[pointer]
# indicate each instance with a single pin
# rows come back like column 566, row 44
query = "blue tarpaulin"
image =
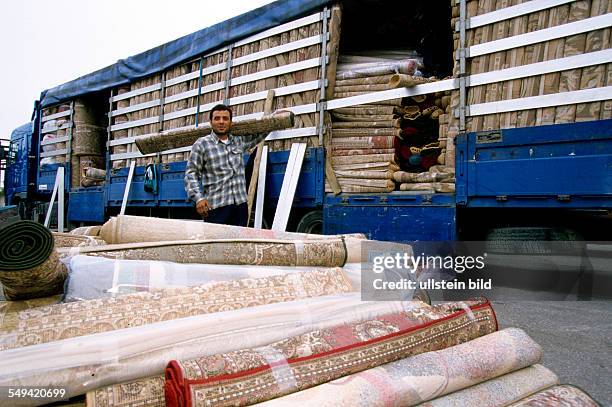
column 190, row 46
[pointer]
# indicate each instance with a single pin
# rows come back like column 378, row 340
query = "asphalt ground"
column 576, row 337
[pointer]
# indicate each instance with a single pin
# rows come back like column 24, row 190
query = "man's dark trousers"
column 229, row 215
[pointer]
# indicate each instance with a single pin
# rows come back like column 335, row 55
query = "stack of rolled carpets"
column 427, row 376
column 437, row 179
column 362, row 136
column 61, row 321
column 254, row 375
column 89, row 362
column 420, row 145
column 88, row 138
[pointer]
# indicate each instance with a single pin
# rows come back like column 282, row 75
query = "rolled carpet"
column 262, row 252
column 73, row 240
column 361, row 87
column 170, row 139
column 372, row 124
column 365, row 110
column 403, row 80
column 28, row 266
column 254, row 375
column 367, row 132
column 368, row 158
column 86, row 231
column 353, row 117
column 422, row 177
column 385, row 142
column 383, row 183
column 563, row 395
column 381, row 165
column 62, row 321
column 361, row 70
column 361, row 151
column 429, row 187
column 368, row 80
column 98, row 277
column 415, row 379
column 500, row 391
column 134, row 229
column 148, row 391
column 9, row 310
column 365, row 174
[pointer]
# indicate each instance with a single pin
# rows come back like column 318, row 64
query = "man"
column 214, row 178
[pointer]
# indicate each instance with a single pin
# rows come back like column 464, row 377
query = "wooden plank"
column 333, row 47
column 257, row 163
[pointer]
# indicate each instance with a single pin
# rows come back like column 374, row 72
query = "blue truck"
column 550, row 177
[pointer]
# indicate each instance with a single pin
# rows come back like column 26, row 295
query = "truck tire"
column 311, row 222
column 529, row 240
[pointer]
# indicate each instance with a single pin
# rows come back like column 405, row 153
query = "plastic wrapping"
column 97, row 277
column 81, row 318
column 89, row 362
column 295, row 363
column 423, row 377
column 381, row 63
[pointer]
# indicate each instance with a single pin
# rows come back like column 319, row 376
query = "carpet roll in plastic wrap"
column 29, row 268
column 254, row 375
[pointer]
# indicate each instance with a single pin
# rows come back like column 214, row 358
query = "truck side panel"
column 567, row 165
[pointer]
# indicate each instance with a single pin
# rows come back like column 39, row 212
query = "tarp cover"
column 182, row 49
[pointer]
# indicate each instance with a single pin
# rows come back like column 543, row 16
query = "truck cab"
column 16, row 177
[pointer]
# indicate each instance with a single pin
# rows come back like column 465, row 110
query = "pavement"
column 576, row 337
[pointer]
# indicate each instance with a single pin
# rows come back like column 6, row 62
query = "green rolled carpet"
column 23, row 244
column 29, row 266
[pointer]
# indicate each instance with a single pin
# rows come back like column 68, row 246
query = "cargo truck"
column 528, row 129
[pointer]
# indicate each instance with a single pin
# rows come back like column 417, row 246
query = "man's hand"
column 203, row 207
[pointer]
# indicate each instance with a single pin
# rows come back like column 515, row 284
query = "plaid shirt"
column 215, row 170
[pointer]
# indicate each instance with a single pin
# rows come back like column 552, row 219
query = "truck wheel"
column 530, row 240
column 312, row 222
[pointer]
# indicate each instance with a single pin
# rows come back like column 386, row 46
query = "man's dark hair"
column 220, row 107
